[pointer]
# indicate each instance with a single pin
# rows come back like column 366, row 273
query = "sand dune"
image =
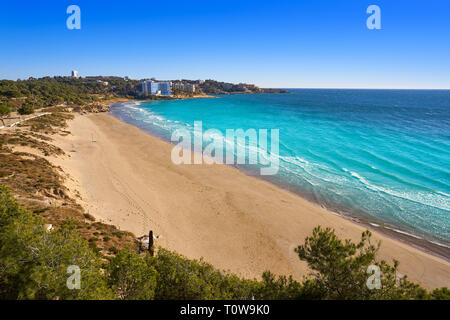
column 233, row 221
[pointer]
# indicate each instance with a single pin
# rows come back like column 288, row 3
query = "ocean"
column 378, row 156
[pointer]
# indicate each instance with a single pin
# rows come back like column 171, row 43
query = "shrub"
column 34, row 262
column 25, row 109
column 340, row 268
column 89, row 216
column 4, row 110
column 181, row 278
column 131, row 277
column 441, row 294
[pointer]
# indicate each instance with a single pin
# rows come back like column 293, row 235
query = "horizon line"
column 345, row 88
column 263, row 87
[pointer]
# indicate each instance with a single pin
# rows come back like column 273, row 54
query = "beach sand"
column 235, row 222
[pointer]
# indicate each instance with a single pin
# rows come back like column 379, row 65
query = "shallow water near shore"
column 379, row 155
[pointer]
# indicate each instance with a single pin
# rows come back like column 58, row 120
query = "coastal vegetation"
column 25, row 109
column 31, row 94
column 25, row 96
column 216, row 87
column 4, row 110
column 34, row 263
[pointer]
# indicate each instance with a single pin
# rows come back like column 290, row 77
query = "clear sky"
column 288, row 44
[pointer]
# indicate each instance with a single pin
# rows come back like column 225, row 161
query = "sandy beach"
column 235, row 222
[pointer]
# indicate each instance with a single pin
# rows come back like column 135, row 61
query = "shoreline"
column 161, row 98
column 216, row 212
column 424, row 244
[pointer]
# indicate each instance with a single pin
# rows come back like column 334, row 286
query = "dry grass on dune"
column 39, row 185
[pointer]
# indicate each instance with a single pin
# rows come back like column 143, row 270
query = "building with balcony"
column 184, row 86
column 151, row 87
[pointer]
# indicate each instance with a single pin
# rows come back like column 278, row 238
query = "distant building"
column 184, row 86
column 190, row 87
column 151, row 87
column 75, row 74
column 127, row 78
column 247, row 87
column 177, row 85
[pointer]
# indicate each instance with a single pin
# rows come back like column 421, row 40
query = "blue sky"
column 304, row 44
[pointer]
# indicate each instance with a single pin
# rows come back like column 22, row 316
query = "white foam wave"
column 436, row 200
column 404, row 232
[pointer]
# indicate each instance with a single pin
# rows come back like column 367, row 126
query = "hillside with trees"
column 216, row 87
column 44, row 92
column 25, row 96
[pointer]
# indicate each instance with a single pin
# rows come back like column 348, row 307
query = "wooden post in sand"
column 150, row 243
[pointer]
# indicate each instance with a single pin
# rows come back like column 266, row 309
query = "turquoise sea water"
column 381, row 155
